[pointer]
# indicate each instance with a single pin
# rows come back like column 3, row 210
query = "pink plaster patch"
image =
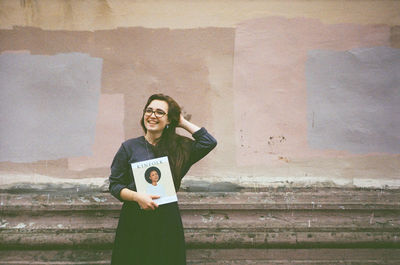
column 16, row 52
column 270, row 87
column 109, row 134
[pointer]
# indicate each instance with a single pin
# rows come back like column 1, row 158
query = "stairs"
column 271, row 226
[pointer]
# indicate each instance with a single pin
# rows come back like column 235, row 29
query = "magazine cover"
column 154, row 178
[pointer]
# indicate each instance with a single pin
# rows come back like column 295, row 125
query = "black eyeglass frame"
column 150, row 111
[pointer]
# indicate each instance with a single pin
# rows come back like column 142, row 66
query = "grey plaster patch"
column 195, row 186
column 205, row 186
column 48, row 105
column 354, row 100
column 225, row 187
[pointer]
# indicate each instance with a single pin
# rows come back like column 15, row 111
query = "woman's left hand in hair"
column 187, row 125
column 181, row 121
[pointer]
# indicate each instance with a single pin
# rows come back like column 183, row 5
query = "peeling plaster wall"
column 136, row 62
column 246, row 70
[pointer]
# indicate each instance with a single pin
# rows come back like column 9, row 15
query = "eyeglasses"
column 159, row 113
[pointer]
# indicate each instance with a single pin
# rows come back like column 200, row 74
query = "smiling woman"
column 142, row 222
column 155, row 119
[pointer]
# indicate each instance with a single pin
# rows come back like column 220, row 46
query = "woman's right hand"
column 145, row 201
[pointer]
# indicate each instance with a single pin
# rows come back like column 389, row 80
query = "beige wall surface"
column 245, row 70
column 179, row 14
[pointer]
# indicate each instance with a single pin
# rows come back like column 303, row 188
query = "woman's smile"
column 152, row 121
column 152, row 124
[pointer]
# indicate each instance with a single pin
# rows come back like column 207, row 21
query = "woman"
column 152, row 176
column 148, row 234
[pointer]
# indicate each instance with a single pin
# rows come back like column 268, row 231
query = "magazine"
column 154, row 177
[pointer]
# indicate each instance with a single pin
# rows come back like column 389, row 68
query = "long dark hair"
column 171, row 144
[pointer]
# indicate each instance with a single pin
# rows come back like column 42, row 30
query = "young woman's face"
column 154, row 176
column 156, row 116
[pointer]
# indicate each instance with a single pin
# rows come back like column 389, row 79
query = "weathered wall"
column 296, row 92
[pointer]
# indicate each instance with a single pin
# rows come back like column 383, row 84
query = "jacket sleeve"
column 119, row 177
column 202, row 145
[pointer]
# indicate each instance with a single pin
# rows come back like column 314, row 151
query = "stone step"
column 301, row 198
column 222, row 220
column 214, row 256
column 276, row 226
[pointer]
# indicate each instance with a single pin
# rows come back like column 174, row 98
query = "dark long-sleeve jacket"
column 138, row 149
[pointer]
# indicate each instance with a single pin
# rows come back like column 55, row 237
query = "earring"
column 167, row 126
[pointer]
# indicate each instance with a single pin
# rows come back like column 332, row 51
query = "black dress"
column 150, row 237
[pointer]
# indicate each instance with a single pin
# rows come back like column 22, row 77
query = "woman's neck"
column 152, row 138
